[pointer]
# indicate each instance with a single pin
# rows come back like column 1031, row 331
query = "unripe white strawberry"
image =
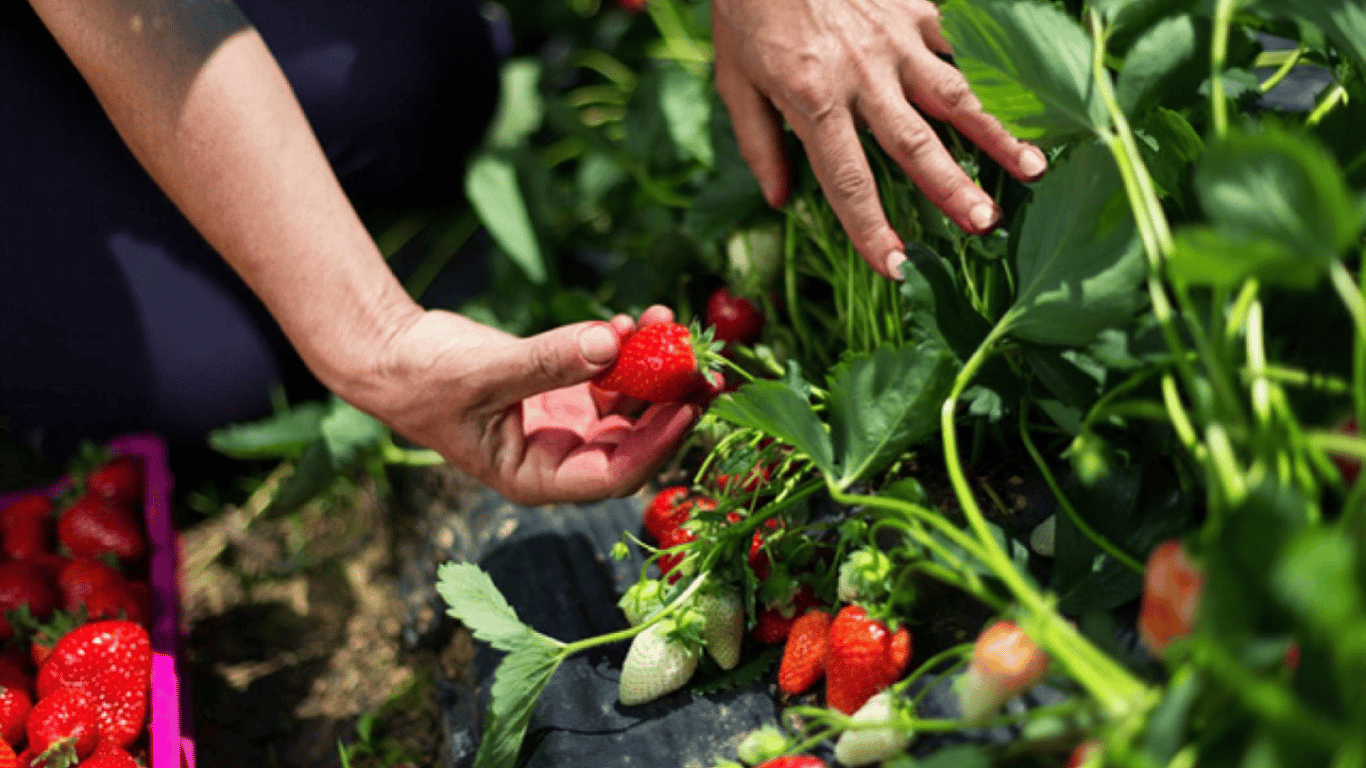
column 655, row 665
column 723, row 625
column 642, row 599
column 1005, row 663
column 857, row 747
column 863, row 575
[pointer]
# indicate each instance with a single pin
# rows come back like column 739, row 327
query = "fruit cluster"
column 75, row 607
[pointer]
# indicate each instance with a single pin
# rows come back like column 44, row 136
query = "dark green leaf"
column 1166, row 730
column 1164, row 54
column 882, row 403
column 1029, row 64
column 1170, row 147
column 1282, row 188
column 517, row 685
column 965, row 756
column 492, row 188
column 730, row 194
column 1206, row 256
column 313, row 473
column 937, row 307
column 473, row 599
column 1128, row 19
column 278, row 437
column 1070, row 379
column 776, row 408
column 1239, row 602
column 1078, row 258
column 1343, row 20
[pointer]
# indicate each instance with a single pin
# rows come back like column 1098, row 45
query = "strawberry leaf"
column 517, row 685
column 885, row 402
column 472, row 597
column 283, row 435
column 777, row 408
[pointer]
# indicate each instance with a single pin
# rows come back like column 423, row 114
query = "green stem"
column 1085, row 528
column 1290, row 62
column 1223, row 21
column 1334, row 97
column 409, row 457
column 569, row 649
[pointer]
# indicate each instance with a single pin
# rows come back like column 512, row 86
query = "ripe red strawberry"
column 32, row 505
column 116, row 601
column 26, row 527
column 62, row 726
column 775, row 620
column 119, row 479
column 15, row 704
column 673, row 538
column 660, row 362
column 631, row 6
column 7, row 757
column 93, row 526
column 106, row 755
column 81, row 576
column 1348, row 466
column 735, row 318
column 1171, row 596
column 803, row 663
column 794, row 761
column 23, row 583
column 664, row 510
column 863, row 658
column 111, row 661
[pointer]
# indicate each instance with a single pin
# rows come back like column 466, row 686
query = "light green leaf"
column 348, row 432
column 1316, row 578
column 1078, row 258
column 1159, row 55
column 1029, row 64
column 473, row 598
column 1205, row 256
column 517, row 686
column 520, row 108
column 491, row 185
column 777, row 409
column 684, row 98
column 1281, row 188
column 313, row 473
column 280, row 436
column 882, row 403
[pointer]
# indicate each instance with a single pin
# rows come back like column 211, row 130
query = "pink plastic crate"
column 171, row 744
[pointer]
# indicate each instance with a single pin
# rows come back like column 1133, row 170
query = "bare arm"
column 198, row 98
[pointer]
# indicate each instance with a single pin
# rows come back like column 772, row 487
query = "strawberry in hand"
column 660, row 363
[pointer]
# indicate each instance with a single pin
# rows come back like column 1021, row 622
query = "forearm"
column 216, row 125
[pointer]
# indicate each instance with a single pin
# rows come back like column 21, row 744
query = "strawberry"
column 655, row 664
column 862, row 658
column 26, row 527
column 660, row 362
column 673, row 538
column 665, row 510
column 865, row 746
column 111, row 661
column 1086, row 753
column 81, row 576
column 1348, row 466
column 119, row 480
column 62, row 727
column 735, row 319
column 794, row 761
column 775, row 620
column 631, row 6
column 32, row 505
column 723, row 625
column 15, row 704
column 107, row 756
column 93, row 526
column 1005, row 663
column 7, row 757
column 1171, row 596
column 803, row 663
column 116, row 601
column 23, row 583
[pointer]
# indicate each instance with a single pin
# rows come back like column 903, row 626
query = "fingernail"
column 894, row 261
column 598, row 344
column 1032, row 163
column 983, row 216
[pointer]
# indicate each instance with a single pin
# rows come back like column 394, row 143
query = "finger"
column 656, row 313
column 933, row 34
column 623, row 324
column 759, row 132
column 913, row 144
column 837, row 158
column 557, row 358
column 944, row 94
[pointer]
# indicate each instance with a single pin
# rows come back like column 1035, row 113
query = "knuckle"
column 810, row 88
column 912, row 142
column 954, row 97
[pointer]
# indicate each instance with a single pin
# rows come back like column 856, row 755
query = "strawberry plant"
column 1167, row 332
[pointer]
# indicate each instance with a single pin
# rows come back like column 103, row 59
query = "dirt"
column 296, row 640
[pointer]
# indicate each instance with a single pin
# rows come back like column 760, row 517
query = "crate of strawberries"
column 88, row 616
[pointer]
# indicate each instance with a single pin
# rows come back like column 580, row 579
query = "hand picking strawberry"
column 661, row 362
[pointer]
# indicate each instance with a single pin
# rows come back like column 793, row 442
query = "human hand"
column 518, row 414
column 832, row 66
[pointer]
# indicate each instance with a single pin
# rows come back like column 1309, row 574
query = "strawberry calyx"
column 61, row 753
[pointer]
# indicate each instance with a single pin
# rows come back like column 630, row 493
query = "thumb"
column 556, row 358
